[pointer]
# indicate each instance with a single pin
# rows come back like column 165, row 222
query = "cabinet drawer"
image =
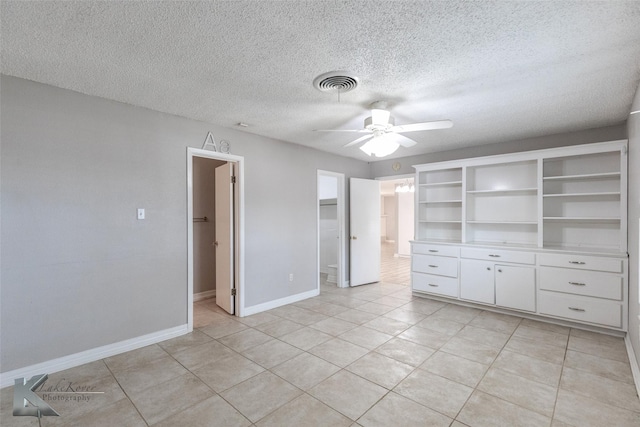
column 499, row 255
column 451, row 251
column 582, row 309
column 435, row 284
column 580, row 282
column 582, row 262
column 442, row 266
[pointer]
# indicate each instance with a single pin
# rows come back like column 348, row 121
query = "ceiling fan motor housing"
column 368, row 124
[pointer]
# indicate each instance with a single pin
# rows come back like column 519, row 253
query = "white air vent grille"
column 335, row 81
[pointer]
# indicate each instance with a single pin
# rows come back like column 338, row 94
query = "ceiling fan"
column 383, row 134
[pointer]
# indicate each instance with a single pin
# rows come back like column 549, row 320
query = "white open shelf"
column 570, row 197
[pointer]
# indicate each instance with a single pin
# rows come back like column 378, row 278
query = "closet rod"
column 203, row 219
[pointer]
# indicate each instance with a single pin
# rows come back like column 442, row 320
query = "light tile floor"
column 367, row 356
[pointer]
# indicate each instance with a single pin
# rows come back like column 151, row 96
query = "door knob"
column 215, row 243
column 354, row 237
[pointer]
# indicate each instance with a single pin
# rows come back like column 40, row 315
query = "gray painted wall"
column 633, row 125
column 78, row 270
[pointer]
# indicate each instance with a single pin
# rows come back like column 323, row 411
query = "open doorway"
column 397, row 206
column 215, row 209
column 331, row 230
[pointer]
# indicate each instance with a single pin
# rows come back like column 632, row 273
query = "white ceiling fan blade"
column 438, row 124
column 404, row 141
column 342, row 130
column 362, row 138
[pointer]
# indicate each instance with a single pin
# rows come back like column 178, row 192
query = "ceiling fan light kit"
column 380, row 146
column 383, row 134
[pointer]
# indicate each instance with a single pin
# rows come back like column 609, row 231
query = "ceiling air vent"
column 335, row 81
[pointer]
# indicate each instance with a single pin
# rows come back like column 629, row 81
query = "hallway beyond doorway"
column 394, row 269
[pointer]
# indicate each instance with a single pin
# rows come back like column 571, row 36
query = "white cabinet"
column 541, row 232
column 477, row 281
column 584, row 288
column 582, row 309
column 504, row 285
column 438, row 265
column 434, row 269
column 516, row 287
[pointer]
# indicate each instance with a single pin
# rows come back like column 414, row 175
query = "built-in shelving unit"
column 502, row 202
column 439, row 199
column 542, row 232
column 572, row 197
column 582, row 202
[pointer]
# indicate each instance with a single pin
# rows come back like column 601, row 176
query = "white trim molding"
column 98, row 353
column 204, row 295
column 248, row 311
column 633, row 361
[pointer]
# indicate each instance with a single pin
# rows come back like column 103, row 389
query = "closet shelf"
column 440, row 184
column 581, row 219
column 502, row 222
column 505, row 191
column 595, row 194
column 425, row 202
column 605, row 175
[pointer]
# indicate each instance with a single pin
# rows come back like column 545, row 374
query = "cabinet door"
column 476, row 281
column 516, row 287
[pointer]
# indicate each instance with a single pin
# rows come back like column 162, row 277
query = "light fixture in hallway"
column 405, row 187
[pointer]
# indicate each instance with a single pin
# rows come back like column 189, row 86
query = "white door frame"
column 239, row 226
column 341, row 281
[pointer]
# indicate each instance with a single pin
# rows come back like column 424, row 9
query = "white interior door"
column 224, row 237
column 364, row 223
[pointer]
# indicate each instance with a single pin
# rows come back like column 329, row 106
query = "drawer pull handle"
column 499, row 270
column 494, row 256
column 577, row 284
column 433, row 250
column 432, row 285
column 577, row 309
column 577, row 262
column 489, row 268
column 433, row 266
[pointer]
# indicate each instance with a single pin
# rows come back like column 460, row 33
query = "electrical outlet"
column 140, row 213
column 291, row 277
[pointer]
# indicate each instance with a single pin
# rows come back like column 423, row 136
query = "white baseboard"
column 77, row 359
column 248, row 311
column 204, row 295
column 633, row 361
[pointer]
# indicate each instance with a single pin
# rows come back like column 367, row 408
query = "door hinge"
column 233, row 179
column 233, row 291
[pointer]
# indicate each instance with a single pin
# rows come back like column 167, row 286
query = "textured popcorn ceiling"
column 500, row 70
